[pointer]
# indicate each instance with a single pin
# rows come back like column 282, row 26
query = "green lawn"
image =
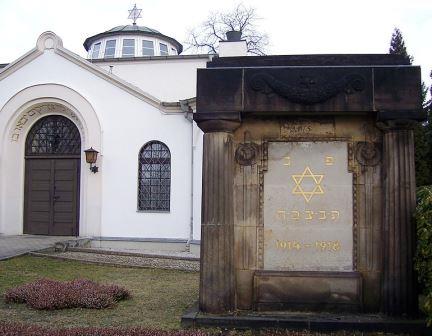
column 159, row 296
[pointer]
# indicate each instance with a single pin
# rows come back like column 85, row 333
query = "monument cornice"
column 383, row 88
column 218, row 125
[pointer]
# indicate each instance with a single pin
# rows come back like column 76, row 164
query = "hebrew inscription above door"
column 308, row 207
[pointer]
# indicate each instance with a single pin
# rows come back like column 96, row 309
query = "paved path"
column 11, row 246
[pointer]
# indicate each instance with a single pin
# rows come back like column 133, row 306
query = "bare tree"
column 206, row 37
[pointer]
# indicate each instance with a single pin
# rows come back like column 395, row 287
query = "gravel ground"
column 183, row 254
column 133, row 261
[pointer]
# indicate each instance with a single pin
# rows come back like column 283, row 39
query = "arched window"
column 53, row 135
column 154, row 177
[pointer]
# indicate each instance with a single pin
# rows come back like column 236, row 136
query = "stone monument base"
column 322, row 322
column 308, row 291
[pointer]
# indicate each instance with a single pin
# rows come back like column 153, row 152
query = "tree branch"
column 208, row 35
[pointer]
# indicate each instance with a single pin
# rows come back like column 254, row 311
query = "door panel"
column 41, row 185
column 37, row 205
column 65, row 200
column 51, row 204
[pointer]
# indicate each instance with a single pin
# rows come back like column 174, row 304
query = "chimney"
column 233, row 46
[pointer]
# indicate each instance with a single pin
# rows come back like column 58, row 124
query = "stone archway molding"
column 16, row 118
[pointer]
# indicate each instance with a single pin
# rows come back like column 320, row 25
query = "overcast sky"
column 294, row 27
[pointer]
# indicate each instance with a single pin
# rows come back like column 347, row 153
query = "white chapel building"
column 132, row 101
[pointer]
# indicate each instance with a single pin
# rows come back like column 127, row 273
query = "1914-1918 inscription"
column 308, row 216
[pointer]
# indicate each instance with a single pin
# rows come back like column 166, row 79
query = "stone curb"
column 14, row 256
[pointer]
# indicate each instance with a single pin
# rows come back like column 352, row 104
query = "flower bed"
column 46, row 294
column 16, row 329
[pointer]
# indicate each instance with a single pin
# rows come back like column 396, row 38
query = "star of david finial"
column 299, row 188
column 134, row 14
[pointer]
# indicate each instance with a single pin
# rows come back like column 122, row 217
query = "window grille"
column 53, row 135
column 154, row 177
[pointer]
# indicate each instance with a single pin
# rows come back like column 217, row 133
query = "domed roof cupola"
column 131, row 41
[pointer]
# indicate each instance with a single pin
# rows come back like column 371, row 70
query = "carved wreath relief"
column 308, row 90
column 246, row 154
column 368, row 153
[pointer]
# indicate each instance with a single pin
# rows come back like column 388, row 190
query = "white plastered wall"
column 167, row 79
column 197, row 176
column 115, row 122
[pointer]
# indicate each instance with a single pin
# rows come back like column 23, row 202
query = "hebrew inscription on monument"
column 308, row 207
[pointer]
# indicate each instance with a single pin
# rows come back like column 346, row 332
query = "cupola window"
column 128, row 48
column 96, row 49
column 110, row 48
column 147, row 48
column 163, row 49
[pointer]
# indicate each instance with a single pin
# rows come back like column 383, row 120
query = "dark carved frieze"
column 368, row 153
column 396, row 124
column 246, row 154
column 308, row 90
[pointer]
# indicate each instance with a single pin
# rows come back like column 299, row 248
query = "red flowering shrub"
column 49, row 294
column 15, row 329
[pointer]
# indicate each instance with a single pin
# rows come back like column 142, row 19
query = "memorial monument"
column 308, row 183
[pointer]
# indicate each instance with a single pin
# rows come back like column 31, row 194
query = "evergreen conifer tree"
column 422, row 132
column 397, row 45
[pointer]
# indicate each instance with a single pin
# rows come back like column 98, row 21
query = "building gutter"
column 188, row 114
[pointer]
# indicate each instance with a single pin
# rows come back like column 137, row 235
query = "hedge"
column 423, row 260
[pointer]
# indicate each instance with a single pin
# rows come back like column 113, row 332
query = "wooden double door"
column 52, row 196
column 52, row 176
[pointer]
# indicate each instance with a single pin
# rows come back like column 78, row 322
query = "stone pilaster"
column 399, row 296
column 217, row 277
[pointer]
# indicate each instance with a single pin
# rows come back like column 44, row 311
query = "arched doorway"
column 52, row 173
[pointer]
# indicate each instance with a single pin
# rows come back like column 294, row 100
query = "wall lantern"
column 91, row 157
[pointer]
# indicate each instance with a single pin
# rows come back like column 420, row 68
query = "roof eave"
column 89, row 40
column 51, row 42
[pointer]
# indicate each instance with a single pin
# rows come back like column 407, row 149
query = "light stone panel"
column 308, row 207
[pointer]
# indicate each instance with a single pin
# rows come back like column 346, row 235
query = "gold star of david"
column 298, row 179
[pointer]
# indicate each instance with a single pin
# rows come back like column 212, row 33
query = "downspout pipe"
column 188, row 114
